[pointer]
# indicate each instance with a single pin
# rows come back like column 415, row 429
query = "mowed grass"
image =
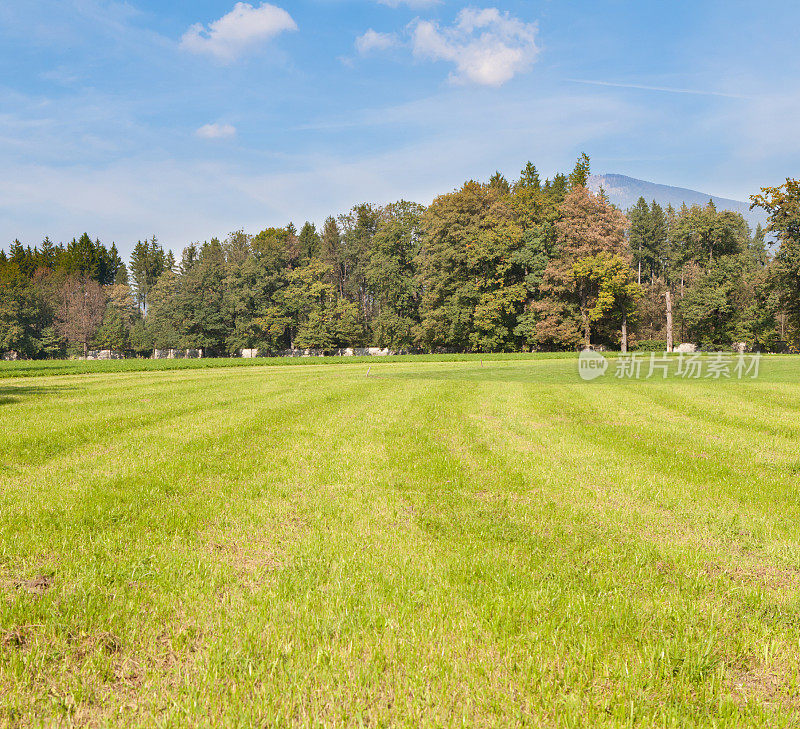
column 45, row 368
column 411, row 543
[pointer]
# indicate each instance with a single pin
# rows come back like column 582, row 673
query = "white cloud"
column 487, row 47
column 374, row 41
column 216, row 131
column 242, row 28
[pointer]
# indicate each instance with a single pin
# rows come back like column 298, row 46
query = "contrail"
column 667, row 89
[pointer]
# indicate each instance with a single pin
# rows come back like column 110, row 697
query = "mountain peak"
column 624, row 191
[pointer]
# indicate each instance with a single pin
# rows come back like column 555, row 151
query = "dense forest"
column 498, row 266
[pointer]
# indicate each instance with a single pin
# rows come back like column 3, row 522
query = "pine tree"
column 529, row 178
column 499, row 184
column 47, row 254
column 309, row 241
column 657, row 241
column 113, row 266
column 639, row 217
column 148, row 262
column 330, row 252
column 83, row 258
column 580, row 175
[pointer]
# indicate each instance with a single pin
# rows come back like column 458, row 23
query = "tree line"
column 520, row 265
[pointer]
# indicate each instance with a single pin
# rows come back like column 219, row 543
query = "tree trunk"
column 624, row 332
column 639, row 278
column 587, row 332
column 668, row 296
column 583, row 298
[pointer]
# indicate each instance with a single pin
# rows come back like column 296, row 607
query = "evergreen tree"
column 529, row 178
column 331, row 253
column 638, row 237
column 47, row 254
column 200, row 301
column 657, row 248
column 580, row 175
column 164, row 314
column 24, row 314
column 358, row 229
column 499, row 184
column 309, row 241
column 148, row 262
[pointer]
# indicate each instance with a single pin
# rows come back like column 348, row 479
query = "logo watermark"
column 695, row 366
column 591, row 365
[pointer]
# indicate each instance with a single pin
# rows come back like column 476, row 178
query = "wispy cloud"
column 486, row 46
column 216, row 131
column 410, row 3
column 131, row 193
column 372, row 40
column 241, row 29
column 667, row 89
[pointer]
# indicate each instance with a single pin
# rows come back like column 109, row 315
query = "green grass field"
column 435, row 543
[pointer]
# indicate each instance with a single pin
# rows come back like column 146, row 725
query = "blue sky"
column 192, row 118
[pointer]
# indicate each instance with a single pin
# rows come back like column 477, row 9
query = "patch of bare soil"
column 16, row 637
column 133, row 679
column 755, row 570
column 37, row 586
column 249, row 557
column 762, row 686
column 256, row 555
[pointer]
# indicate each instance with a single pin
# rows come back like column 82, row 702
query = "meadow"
column 464, row 541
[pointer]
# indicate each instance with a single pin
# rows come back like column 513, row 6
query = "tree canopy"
column 503, row 265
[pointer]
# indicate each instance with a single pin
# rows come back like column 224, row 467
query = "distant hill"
column 625, row 191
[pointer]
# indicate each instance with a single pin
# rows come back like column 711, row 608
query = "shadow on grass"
column 10, row 393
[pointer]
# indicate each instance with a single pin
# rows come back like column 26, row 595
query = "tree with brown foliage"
column 83, row 303
column 590, row 229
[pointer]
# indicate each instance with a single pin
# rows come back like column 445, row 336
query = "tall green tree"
column 358, row 229
column 25, row 315
column 464, row 262
column 579, row 177
column 200, row 302
column 148, row 262
column 783, row 206
column 309, row 241
column 331, row 253
column 390, row 275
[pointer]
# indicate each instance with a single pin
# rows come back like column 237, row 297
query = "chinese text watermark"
column 695, row 366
